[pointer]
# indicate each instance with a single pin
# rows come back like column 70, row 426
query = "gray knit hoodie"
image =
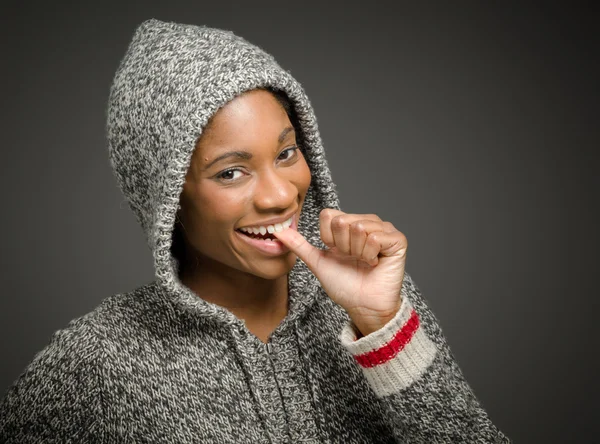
column 159, row 364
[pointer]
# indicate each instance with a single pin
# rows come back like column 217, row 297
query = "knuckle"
column 338, row 222
column 388, row 226
column 373, row 238
column 358, row 227
column 326, row 214
column 402, row 238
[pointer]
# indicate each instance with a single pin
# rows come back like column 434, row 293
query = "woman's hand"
column 363, row 268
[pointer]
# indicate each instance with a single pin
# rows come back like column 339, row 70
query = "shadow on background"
column 473, row 129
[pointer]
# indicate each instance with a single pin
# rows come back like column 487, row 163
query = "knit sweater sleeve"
column 410, row 366
column 57, row 398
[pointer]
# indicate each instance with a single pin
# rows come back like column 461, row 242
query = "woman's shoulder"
column 80, row 343
column 59, row 382
column 65, row 378
column 83, row 336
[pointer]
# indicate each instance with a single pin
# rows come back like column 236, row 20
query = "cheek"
column 216, row 210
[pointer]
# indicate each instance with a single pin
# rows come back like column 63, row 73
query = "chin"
column 275, row 269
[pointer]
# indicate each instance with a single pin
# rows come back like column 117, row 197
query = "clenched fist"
column 363, row 268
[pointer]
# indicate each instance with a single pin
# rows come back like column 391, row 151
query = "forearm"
column 409, row 364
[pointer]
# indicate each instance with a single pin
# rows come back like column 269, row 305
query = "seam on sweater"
column 311, row 379
column 239, row 357
column 284, row 408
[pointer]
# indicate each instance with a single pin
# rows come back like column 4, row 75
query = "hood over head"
column 170, row 82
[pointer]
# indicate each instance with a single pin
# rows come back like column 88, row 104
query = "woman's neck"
column 261, row 303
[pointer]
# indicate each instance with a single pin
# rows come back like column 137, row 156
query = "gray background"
column 472, row 127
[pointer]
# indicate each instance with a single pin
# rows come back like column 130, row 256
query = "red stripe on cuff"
column 388, row 351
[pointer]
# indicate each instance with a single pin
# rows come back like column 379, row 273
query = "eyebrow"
column 245, row 155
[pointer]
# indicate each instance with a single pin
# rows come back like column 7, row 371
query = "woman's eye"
column 290, row 151
column 229, row 175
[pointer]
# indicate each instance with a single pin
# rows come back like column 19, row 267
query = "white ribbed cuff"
column 394, row 356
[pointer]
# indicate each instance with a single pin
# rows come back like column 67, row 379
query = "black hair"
column 178, row 240
column 286, row 103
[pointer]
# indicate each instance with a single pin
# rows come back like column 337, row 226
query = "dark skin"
column 219, row 267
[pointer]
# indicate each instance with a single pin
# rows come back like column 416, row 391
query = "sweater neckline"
column 303, row 291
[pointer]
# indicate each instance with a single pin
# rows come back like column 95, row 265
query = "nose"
column 275, row 190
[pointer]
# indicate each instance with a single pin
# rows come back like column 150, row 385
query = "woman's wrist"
column 363, row 328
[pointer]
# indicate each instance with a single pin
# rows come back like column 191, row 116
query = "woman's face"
column 267, row 179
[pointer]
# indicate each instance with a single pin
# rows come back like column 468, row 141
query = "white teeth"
column 269, row 228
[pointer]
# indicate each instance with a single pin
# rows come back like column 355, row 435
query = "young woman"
column 274, row 317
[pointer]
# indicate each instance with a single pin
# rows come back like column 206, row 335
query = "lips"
column 262, row 243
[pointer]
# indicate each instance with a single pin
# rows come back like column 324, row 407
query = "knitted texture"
column 159, row 364
column 395, row 356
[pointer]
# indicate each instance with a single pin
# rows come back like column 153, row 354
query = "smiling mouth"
column 265, row 233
